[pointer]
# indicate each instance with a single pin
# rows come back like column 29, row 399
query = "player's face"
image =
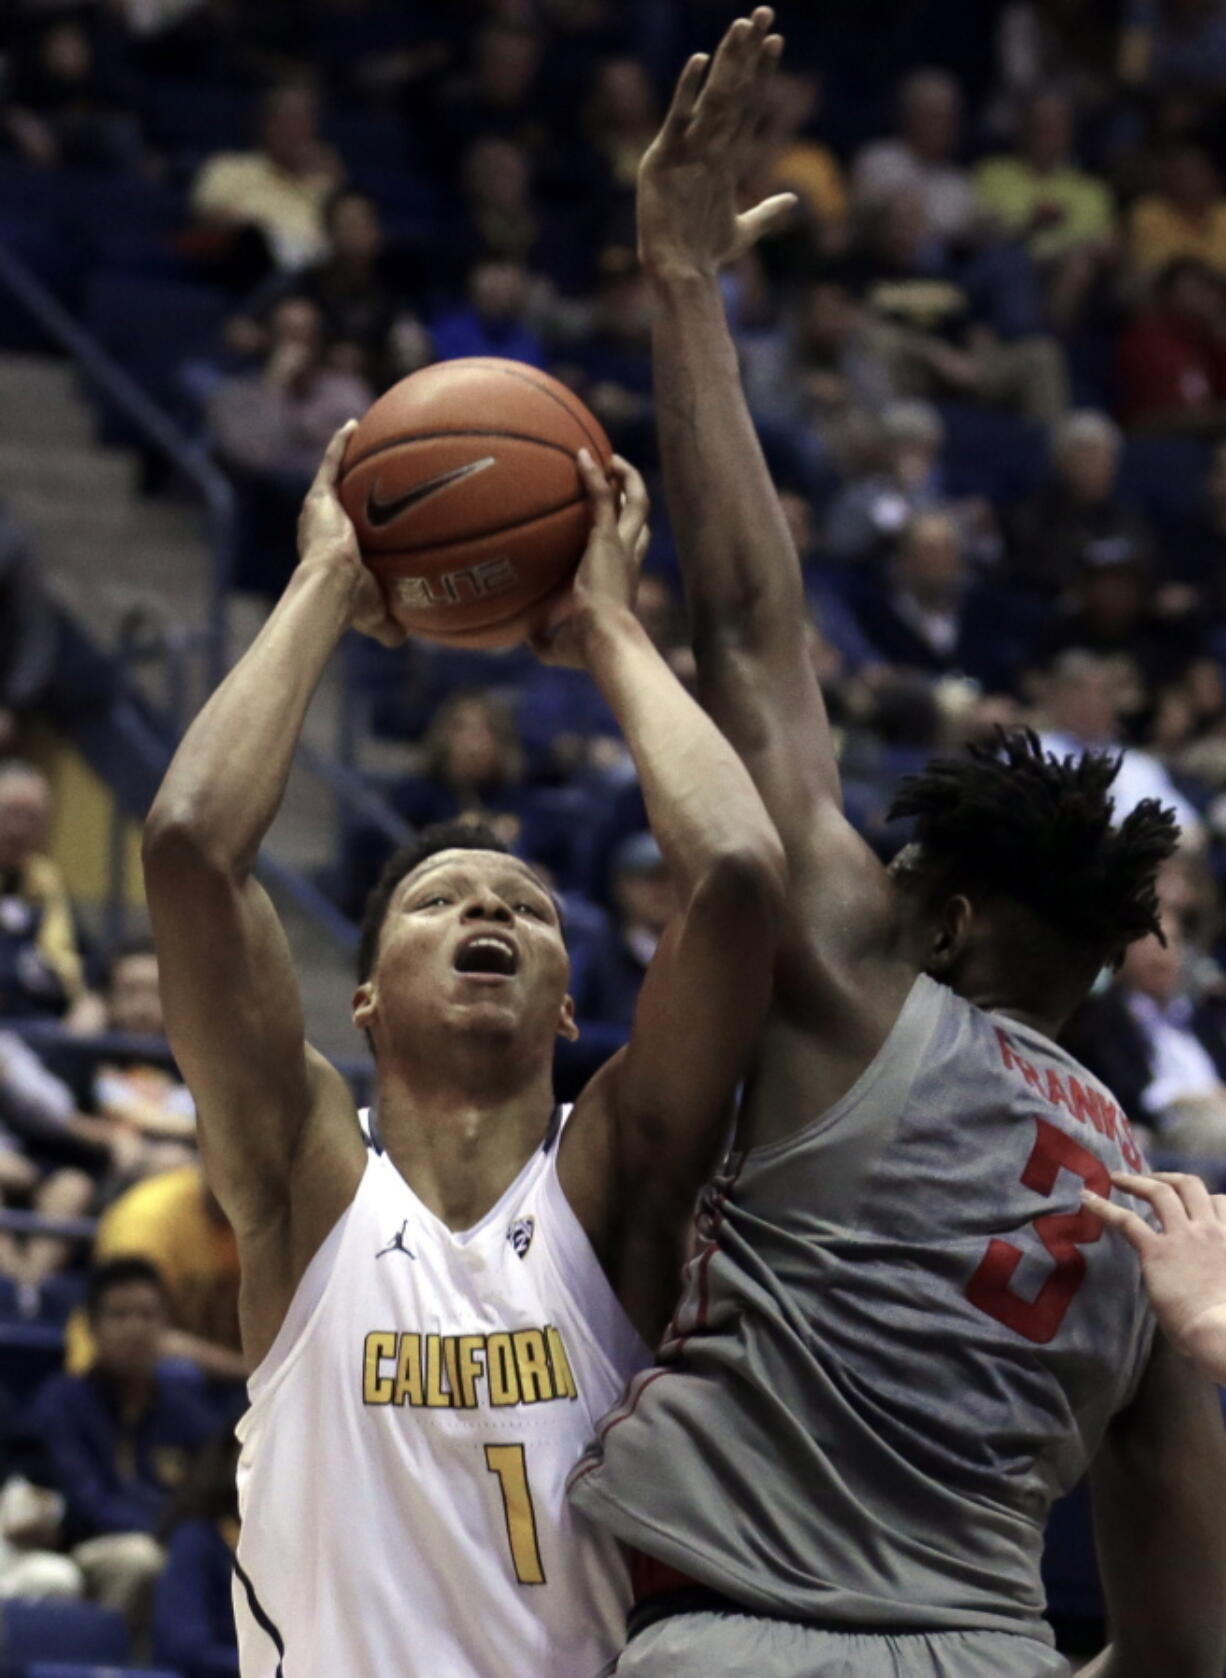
column 471, row 940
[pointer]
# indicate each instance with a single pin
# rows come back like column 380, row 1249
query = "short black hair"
column 442, row 836
column 120, row 1273
column 1010, row 820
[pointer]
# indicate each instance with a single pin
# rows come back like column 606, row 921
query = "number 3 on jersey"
column 1062, row 1233
column 508, row 1462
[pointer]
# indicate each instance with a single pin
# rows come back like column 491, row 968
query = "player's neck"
column 459, row 1149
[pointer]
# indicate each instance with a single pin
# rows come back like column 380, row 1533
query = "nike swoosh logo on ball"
column 379, row 513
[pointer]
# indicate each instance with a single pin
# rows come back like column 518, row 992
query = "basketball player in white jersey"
column 903, row 1337
column 436, row 1314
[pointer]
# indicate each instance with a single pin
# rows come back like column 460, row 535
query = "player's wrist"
column 1204, row 1341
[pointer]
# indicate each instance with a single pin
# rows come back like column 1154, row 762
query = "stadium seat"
column 51, row 1303
column 1165, row 476
column 74, row 1669
column 58, row 1632
column 992, row 453
column 29, row 1353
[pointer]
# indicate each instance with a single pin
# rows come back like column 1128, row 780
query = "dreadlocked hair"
column 1008, row 819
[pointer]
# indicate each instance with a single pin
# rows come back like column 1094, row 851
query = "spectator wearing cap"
column 922, row 611
column 644, row 901
column 1079, row 516
column 922, row 156
column 118, row 1439
column 281, row 187
column 1081, row 711
column 42, row 968
column 1171, row 358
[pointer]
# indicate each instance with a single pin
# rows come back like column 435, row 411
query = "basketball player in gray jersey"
column 902, row 1336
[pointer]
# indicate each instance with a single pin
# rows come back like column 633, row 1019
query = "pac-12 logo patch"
column 520, row 1233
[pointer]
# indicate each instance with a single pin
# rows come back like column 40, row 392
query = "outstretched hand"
column 326, row 537
column 687, row 195
column 607, row 579
column 1183, row 1263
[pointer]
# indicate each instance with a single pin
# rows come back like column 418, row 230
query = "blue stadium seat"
column 192, row 120
column 52, row 1303
column 29, row 1353
column 74, row 1669
column 62, row 1632
column 992, row 453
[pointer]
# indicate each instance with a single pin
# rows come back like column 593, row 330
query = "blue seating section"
column 62, row 1632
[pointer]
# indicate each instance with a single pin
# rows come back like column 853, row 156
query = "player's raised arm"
column 742, row 574
column 272, row 1114
column 647, row 1132
column 1159, row 1491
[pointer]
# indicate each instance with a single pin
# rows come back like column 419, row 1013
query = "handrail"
column 190, row 457
column 221, row 505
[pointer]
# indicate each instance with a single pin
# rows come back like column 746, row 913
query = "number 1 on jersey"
column 509, row 1463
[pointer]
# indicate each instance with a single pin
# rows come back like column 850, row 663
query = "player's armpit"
column 650, row 1129
column 1159, row 1495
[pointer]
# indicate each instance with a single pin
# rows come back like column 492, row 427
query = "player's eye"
column 529, row 909
column 433, row 902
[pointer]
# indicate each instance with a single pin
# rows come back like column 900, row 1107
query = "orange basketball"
column 465, row 492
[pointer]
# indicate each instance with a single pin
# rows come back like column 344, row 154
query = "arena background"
column 988, row 367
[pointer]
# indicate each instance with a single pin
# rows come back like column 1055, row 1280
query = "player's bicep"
column 234, row 1022
column 1159, row 1493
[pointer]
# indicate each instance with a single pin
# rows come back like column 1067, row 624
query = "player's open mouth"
column 487, row 955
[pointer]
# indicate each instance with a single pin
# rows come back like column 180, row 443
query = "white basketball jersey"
column 405, row 1453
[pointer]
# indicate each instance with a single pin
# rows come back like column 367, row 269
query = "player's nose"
column 486, row 906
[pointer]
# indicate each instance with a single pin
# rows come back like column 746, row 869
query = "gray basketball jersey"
column 901, row 1339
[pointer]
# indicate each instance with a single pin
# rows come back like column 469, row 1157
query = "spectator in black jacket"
column 923, row 611
column 118, row 1440
column 1160, row 1047
column 1078, row 518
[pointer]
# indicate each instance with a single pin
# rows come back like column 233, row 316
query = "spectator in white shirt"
column 921, row 158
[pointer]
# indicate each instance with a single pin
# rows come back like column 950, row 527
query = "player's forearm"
column 701, row 803
column 228, row 777
column 741, row 574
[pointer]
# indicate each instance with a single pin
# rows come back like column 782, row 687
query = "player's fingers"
column 599, row 491
column 1133, row 1228
column 766, row 217
column 718, row 108
column 330, row 466
column 1197, row 1201
column 635, row 503
column 1161, row 1196
column 685, row 98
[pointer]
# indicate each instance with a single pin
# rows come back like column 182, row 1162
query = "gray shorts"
column 715, row 1645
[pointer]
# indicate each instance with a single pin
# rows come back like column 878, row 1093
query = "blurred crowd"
column 987, row 361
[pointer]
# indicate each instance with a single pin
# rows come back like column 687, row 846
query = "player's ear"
column 568, row 1026
column 950, row 935
column 365, row 1005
